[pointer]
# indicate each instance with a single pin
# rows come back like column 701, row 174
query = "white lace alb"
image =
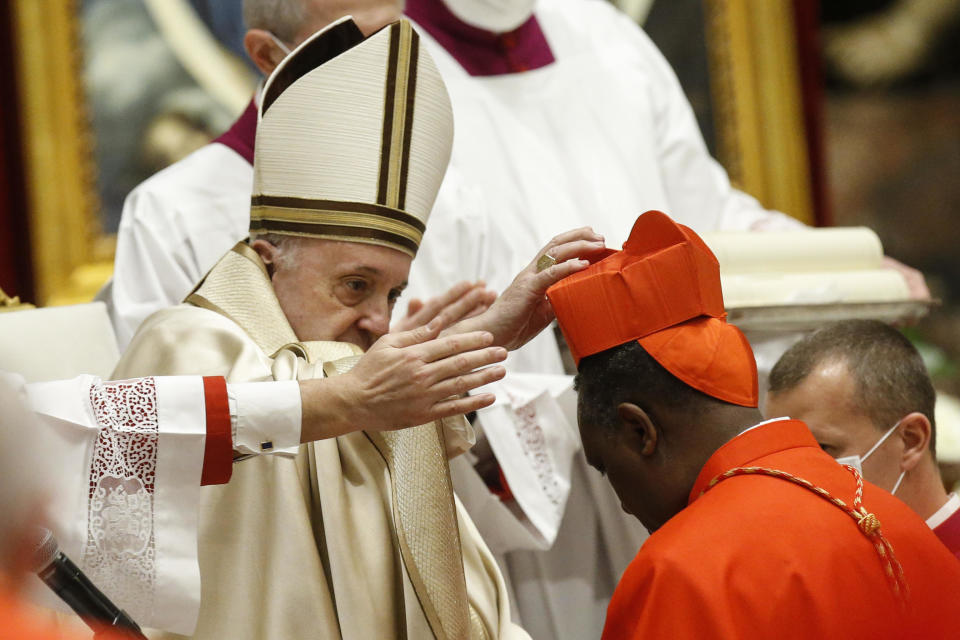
column 119, row 555
column 535, row 448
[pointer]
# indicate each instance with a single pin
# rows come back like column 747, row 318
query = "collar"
column 943, row 514
column 769, row 437
column 760, row 424
column 481, row 52
column 242, row 135
column 239, row 287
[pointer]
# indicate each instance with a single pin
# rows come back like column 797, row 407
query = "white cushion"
column 57, row 343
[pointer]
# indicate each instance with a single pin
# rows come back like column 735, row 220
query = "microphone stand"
column 116, row 633
column 106, row 624
column 67, row 580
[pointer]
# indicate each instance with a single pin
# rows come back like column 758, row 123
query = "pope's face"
column 826, row 400
column 342, row 291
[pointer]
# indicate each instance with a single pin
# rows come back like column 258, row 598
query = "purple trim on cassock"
column 949, row 533
column 481, row 52
column 243, row 133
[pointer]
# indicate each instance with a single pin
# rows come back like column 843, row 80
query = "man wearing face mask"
column 865, row 393
column 756, row 532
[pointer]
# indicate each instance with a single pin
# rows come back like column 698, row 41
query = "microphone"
column 74, row 588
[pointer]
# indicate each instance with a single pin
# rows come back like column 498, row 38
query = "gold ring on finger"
column 545, row 262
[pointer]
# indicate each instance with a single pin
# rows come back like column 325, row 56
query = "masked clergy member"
column 755, row 531
column 358, row 536
column 864, row 391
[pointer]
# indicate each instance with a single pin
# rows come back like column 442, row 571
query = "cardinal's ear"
column 637, row 430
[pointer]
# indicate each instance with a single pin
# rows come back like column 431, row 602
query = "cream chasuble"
column 354, row 538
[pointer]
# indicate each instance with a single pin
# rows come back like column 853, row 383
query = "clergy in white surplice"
column 567, row 114
column 356, row 536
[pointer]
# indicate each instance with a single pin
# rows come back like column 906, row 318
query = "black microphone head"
column 44, row 549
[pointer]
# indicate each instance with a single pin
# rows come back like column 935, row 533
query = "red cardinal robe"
column 760, row 557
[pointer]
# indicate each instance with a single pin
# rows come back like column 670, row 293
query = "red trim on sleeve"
column 501, row 489
column 218, row 451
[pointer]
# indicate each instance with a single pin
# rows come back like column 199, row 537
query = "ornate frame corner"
column 758, row 108
column 72, row 257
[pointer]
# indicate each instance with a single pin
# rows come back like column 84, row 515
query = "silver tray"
column 803, row 317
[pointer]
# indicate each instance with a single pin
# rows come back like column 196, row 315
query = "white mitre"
column 353, row 140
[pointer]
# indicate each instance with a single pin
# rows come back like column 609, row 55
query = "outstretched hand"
column 462, row 300
column 405, row 379
column 522, row 310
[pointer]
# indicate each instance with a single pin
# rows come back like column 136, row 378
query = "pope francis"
column 358, row 534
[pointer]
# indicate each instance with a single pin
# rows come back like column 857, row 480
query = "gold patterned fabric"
column 255, row 309
column 427, row 523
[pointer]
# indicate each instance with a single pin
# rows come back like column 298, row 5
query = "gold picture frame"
column 758, row 107
column 71, row 256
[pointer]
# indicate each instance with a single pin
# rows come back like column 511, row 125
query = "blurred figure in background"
column 23, row 499
column 888, row 42
column 147, row 110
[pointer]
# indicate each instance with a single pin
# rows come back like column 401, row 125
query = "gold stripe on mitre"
column 352, row 221
column 399, row 99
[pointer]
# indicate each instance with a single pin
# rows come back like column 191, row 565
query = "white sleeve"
column 130, row 455
column 174, row 227
column 697, row 186
column 265, row 416
column 148, row 275
column 532, row 431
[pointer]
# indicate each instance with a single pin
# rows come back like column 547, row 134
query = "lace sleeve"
column 119, row 554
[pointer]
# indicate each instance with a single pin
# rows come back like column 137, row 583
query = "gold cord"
column 867, row 522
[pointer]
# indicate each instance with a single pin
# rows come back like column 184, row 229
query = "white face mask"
column 498, row 16
column 857, row 461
